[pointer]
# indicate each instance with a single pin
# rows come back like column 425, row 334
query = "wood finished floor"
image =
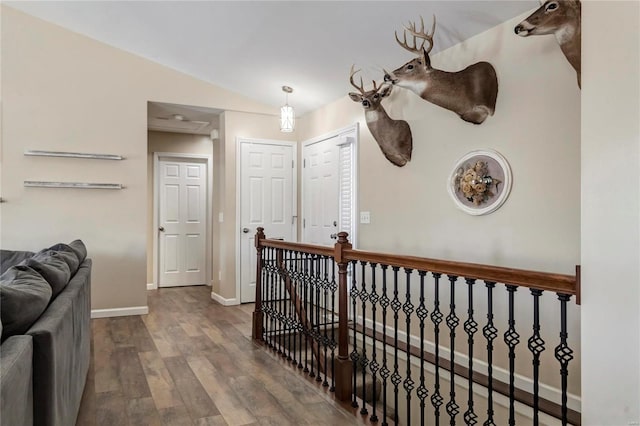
column 191, row 361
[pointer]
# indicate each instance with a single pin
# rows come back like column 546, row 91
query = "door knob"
column 334, row 236
column 245, row 230
column 161, row 229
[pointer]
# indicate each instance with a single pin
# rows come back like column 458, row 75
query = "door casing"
column 238, row 237
column 349, row 131
column 208, row 160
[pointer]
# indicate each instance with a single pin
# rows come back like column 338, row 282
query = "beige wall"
column 536, row 126
column 168, row 142
column 610, row 213
column 66, row 92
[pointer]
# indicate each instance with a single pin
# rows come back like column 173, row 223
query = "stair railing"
column 302, row 288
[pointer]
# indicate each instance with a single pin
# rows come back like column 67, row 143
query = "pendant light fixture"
column 287, row 116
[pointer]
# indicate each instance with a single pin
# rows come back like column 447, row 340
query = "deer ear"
column 355, row 97
column 386, row 90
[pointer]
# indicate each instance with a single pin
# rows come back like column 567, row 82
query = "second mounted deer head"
column 471, row 93
column 562, row 19
column 393, row 136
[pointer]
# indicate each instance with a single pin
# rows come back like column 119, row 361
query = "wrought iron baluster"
column 325, row 338
column 334, row 287
column 312, row 311
column 292, row 312
column 354, row 353
column 364, row 296
column 280, row 296
column 384, row 371
column 302, row 303
column 536, row 346
column 408, row 309
column 286, row 343
column 512, row 338
column 395, row 306
column 272, row 290
column 490, row 333
column 374, row 366
column 318, row 325
column 422, row 313
column 436, row 318
column 307, row 290
column 470, row 327
column 452, row 322
column 564, row 353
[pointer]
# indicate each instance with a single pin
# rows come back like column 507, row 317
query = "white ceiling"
column 255, row 47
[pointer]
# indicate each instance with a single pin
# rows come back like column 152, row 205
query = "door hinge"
column 304, row 163
column 293, row 164
column 304, row 223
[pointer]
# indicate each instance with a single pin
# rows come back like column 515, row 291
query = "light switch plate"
column 365, row 217
column 220, row 217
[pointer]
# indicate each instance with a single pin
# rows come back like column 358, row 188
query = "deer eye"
column 409, row 67
column 552, row 6
column 376, row 96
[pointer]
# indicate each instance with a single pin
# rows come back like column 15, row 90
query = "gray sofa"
column 44, row 363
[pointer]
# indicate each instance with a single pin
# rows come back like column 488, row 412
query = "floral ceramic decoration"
column 480, row 182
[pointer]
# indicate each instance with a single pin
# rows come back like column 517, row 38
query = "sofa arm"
column 16, row 384
column 61, row 353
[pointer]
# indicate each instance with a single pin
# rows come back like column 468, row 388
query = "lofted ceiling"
column 255, row 47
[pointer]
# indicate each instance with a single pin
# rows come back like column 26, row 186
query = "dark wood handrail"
column 560, row 283
column 305, row 248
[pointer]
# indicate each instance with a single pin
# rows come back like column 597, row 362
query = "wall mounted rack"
column 39, row 153
column 80, row 185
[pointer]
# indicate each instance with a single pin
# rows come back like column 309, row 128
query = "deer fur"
column 471, row 93
column 393, row 136
column 562, row 18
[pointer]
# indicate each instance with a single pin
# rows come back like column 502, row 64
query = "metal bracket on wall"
column 73, row 155
column 80, row 185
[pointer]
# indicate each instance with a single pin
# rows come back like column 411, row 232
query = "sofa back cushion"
column 80, row 249
column 24, row 296
column 68, row 254
column 9, row 258
column 53, row 268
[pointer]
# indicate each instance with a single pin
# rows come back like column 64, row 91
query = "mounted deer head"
column 393, row 136
column 471, row 93
column 562, row 19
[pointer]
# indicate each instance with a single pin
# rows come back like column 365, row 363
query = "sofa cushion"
column 9, row 258
column 53, row 268
column 79, row 248
column 24, row 295
column 68, row 254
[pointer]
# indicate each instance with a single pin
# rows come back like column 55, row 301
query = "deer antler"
column 351, row 74
column 425, row 36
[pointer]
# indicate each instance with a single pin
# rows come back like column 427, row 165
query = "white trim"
column 119, row 312
column 574, row 402
column 224, row 302
column 157, row 156
column 294, row 201
column 347, row 132
column 152, row 286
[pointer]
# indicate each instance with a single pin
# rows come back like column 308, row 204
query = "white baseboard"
column 119, row 312
column 152, row 286
column 224, row 302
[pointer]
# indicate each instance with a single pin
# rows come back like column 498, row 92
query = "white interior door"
column 321, row 192
column 266, row 200
column 182, row 223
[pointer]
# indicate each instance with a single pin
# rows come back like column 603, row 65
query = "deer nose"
column 518, row 29
column 387, row 77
